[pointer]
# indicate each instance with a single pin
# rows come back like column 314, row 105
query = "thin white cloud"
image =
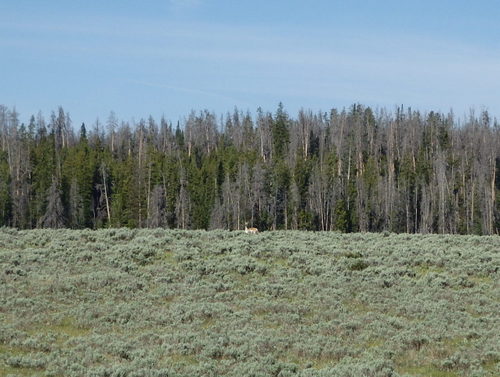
column 185, row 4
column 256, row 64
column 204, row 93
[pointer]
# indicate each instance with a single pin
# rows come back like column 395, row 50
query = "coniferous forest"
column 348, row 170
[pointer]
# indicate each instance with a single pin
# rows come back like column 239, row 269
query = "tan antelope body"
column 251, row 230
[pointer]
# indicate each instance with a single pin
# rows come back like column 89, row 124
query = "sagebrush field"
column 136, row 303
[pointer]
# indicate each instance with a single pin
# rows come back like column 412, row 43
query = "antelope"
column 251, row 230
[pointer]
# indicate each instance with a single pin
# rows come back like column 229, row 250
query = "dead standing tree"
column 54, row 213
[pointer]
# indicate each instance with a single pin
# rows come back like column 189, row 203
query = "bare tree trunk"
column 149, row 191
column 492, row 206
column 108, row 212
column 286, row 211
column 472, row 205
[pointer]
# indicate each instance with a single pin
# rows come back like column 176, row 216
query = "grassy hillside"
column 193, row 303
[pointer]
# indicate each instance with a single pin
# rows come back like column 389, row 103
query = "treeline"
column 346, row 170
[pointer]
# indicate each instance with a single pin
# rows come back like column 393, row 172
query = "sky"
column 168, row 57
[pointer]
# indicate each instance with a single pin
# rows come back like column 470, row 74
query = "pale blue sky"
column 168, row 57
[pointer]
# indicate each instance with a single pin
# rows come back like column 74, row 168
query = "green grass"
column 6, row 350
column 13, row 351
column 427, row 371
column 6, row 371
column 307, row 304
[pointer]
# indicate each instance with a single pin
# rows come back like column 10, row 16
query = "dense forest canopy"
column 346, row 170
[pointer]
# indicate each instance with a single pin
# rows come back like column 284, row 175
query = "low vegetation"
column 124, row 302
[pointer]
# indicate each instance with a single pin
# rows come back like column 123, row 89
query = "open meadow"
column 123, row 302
